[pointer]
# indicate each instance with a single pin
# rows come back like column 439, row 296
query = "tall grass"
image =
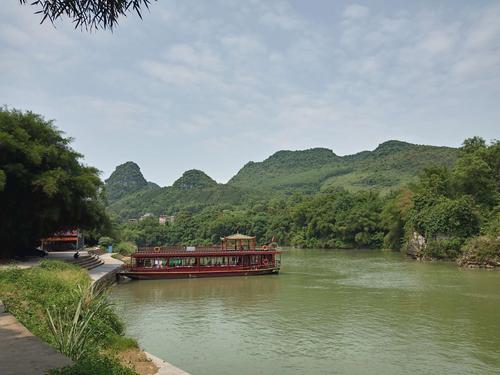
column 71, row 326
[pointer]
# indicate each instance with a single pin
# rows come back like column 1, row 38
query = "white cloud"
column 179, row 74
column 200, row 57
column 246, row 79
column 355, row 11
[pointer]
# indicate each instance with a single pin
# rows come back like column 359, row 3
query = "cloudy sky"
column 213, row 84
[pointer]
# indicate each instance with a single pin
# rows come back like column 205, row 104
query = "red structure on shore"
column 237, row 255
column 69, row 239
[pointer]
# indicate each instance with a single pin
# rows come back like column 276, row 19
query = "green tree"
column 44, row 186
column 88, row 14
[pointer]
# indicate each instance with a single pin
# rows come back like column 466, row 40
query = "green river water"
column 328, row 312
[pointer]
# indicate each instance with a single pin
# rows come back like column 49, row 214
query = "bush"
column 94, row 364
column 105, row 241
column 481, row 250
column 119, row 343
column 125, row 248
column 443, row 249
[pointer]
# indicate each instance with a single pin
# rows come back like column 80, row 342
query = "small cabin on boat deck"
column 238, row 242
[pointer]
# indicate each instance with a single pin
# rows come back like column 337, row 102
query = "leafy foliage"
column 96, row 365
column 481, row 250
column 453, row 206
column 88, row 14
column 43, row 185
column 71, row 326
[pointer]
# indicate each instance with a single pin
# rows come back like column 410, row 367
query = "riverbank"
column 142, row 360
column 46, row 298
column 31, row 290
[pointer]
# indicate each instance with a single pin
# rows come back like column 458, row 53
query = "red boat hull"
column 156, row 274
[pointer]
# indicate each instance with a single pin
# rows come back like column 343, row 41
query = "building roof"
column 237, row 236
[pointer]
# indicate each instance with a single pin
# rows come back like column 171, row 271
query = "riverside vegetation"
column 57, row 303
column 43, row 187
column 453, row 208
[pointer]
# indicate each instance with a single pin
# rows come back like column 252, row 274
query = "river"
column 328, row 312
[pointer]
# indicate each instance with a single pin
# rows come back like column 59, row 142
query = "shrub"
column 443, row 249
column 71, row 326
column 481, row 250
column 119, row 343
column 125, row 248
column 105, row 241
column 94, row 364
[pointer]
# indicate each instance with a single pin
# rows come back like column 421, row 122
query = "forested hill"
column 126, row 179
column 389, row 166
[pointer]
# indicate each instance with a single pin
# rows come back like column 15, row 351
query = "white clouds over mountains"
column 211, row 85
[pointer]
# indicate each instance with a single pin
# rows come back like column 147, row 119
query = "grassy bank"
column 56, row 302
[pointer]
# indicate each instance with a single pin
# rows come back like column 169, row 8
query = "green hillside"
column 126, row 179
column 389, row 166
column 192, row 192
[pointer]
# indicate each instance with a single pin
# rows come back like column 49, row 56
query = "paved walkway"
column 110, row 265
column 22, row 353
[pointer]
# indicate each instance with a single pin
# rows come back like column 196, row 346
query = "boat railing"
column 176, row 249
column 194, row 249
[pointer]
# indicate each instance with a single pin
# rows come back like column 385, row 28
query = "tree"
column 88, row 14
column 45, row 187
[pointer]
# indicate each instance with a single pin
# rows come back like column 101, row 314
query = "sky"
column 214, row 84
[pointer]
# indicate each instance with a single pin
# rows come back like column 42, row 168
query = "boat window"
column 182, row 262
column 175, row 262
column 148, row 263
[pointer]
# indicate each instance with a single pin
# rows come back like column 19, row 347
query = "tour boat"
column 237, row 255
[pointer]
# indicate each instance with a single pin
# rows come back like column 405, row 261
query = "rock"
column 416, row 246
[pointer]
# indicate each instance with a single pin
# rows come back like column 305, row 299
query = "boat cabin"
column 236, row 255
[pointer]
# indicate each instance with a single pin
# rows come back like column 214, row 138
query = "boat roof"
column 238, row 236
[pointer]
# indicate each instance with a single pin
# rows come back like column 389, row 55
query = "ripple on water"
column 327, row 313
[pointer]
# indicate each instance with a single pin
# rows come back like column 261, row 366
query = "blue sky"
column 214, row 84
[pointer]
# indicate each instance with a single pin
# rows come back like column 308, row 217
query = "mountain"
column 192, row 192
column 126, row 179
column 194, row 179
column 390, row 165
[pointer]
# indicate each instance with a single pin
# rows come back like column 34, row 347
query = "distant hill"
column 390, row 165
column 126, row 179
column 194, row 179
column 192, row 192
